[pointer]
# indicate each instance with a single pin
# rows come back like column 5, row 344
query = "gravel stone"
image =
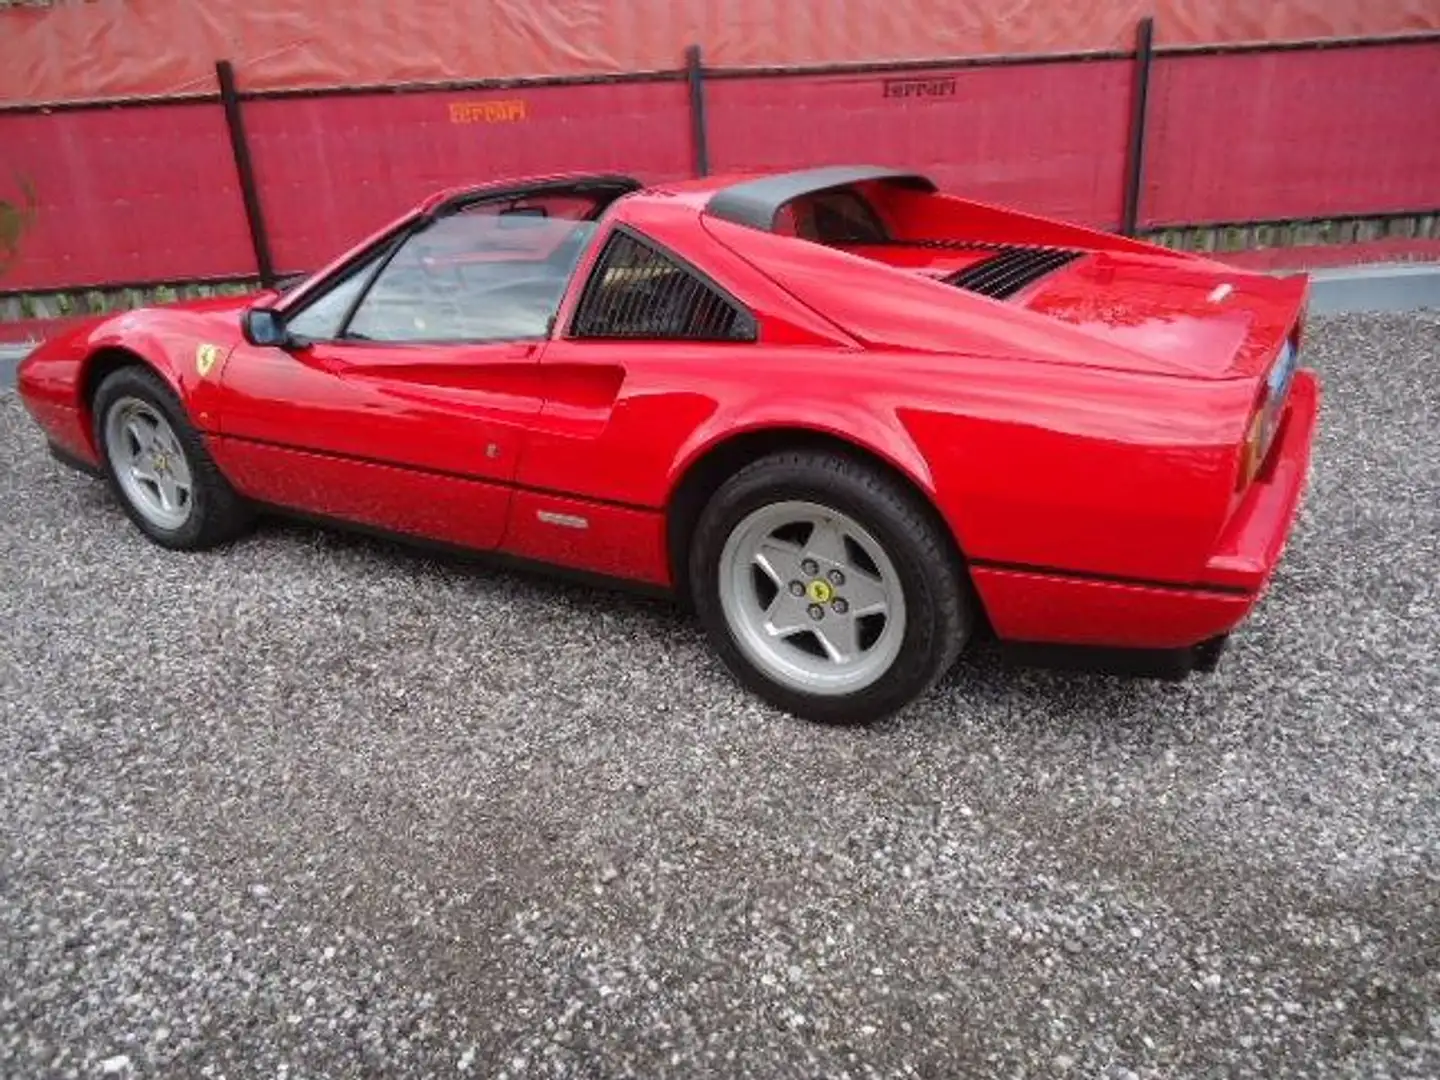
column 316, row 806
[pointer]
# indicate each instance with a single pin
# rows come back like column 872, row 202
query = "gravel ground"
column 10, row 355
column 317, row 806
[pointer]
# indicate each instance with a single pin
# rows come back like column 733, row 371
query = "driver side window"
column 473, row 277
column 490, row 272
column 322, row 319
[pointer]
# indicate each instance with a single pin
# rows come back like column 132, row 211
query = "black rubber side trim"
column 459, row 553
column 1168, row 664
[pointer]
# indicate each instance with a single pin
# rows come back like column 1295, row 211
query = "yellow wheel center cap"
column 819, row 592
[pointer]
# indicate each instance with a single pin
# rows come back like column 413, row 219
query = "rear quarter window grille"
column 637, row 291
column 960, row 245
column 1005, row 274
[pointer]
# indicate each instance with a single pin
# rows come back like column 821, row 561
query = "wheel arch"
column 707, row 471
column 110, row 357
column 102, row 362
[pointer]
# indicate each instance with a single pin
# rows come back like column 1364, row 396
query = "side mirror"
column 264, row 326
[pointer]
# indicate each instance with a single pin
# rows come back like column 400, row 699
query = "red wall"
column 1049, row 137
column 84, row 51
column 1293, row 134
column 125, row 195
column 149, row 193
column 332, row 169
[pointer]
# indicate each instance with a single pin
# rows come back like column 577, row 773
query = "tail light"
column 1267, row 411
column 1252, row 450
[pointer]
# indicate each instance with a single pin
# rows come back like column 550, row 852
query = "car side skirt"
column 464, row 555
column 612, row 540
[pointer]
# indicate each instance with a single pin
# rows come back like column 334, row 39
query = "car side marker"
column 568, row 521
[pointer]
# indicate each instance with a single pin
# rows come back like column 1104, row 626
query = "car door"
column 404, row 398
column 646, row 351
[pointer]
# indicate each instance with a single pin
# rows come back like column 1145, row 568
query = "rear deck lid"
column 1193, row 315
column 1208, row 318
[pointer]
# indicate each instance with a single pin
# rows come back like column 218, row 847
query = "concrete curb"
column 10, row 356
column 1380, row 287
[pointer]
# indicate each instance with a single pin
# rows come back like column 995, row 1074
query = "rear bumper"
column 1191, row 620
column 1250, row 546
column 1044, row 608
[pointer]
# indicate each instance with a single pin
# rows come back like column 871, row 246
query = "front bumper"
column 1044, row 608
column 65, row 429
column 46, row 383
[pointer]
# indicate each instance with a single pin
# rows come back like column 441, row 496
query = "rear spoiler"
column 757, row 203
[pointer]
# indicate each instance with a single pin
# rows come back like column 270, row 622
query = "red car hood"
column 213, row 318
column 1207, row 318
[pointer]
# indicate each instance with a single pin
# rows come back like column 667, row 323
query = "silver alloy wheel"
column 149, row 463
column 812, row 598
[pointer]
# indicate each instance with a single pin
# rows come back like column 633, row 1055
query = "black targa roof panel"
column 757, row 202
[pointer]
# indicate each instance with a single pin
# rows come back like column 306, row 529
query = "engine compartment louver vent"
column 637, row 291
column 1006, row 273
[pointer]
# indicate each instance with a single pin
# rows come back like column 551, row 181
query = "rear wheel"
column 827, row 587
column 157, row 464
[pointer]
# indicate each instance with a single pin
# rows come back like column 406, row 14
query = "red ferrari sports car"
column 853, row 419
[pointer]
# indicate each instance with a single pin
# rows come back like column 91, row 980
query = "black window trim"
column 634, row 234
column 405, row 236
column 332, row 281
column 391, row 243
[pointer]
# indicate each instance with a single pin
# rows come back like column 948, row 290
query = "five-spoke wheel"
column 148, row 462
column 813, row 598
column 828, row 586
column 157, row 463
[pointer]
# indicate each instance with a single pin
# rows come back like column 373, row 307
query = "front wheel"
column 157, row 464
column 827, row 587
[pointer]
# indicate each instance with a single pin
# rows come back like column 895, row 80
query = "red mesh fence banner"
column 1317, row 133
column 99, row 194
column 122, row 195
column 332, row 169
column 1049, row 138
column 74, row 49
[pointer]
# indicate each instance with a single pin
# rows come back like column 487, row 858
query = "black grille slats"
column 1012, row 267
column 637, row 291
column 1005, row 274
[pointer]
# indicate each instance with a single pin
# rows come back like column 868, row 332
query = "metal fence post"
column 245, row 170
column 1139, row 113
column 699, row 134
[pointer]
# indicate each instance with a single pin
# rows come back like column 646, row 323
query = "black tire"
column 216, row 513
column 938, row 599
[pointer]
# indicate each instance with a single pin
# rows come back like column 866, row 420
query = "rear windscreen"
column 841, row 216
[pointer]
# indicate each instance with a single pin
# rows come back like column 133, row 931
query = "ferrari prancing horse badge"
column 205, row 357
